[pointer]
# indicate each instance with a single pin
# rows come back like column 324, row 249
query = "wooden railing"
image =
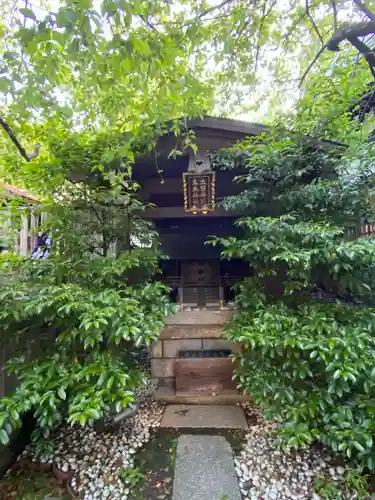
column 367, row 230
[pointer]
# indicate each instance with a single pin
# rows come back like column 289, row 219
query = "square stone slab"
column 204, row 469
column 204, row 416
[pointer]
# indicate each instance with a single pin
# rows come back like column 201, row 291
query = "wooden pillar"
column 34, row 228
column 24, row 235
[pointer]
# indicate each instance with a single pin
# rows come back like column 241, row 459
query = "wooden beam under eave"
column 179, row 212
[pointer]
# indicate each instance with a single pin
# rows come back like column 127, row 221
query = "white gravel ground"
column 267, row 473
column 97, row 459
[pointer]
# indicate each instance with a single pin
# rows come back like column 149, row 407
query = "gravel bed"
column 267, row 473
column 96, row 459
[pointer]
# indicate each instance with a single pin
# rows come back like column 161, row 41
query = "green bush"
column 312, row 366
column 308, row 361
column 86, row 308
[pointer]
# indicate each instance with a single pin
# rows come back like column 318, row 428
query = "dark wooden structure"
column 186, row 194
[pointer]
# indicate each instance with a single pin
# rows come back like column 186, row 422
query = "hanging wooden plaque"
column 199, row 192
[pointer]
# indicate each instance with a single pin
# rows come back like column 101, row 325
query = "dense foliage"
column 306, row 318
column 95, row 84
column 124, row 66
column 78, row 316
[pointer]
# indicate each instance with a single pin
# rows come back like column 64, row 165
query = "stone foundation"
column 188, row 331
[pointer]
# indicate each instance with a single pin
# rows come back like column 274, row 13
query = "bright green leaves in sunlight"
column 25, row 11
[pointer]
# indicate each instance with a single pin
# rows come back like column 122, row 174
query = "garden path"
column 205, row 469
column 204, row 463
column 204, row 416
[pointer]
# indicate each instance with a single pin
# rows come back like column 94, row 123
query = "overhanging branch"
column 317, row 55
column 366, row 51
column 17, row 143
column 361, row 5
column 312, row 21
column 350, row 32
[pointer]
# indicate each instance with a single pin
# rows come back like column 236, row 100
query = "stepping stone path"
column 204, row 463
column 205, row 469
column 204, row 416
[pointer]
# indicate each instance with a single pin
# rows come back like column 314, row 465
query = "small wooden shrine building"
column 186, row 192
column 191, row 361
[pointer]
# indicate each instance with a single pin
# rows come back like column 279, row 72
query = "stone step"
column 185, row 416
column 176, row 332
column 169, row 396
column 204, row 469
column 201, row 317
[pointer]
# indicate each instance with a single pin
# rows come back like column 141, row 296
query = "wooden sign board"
column 199, row 192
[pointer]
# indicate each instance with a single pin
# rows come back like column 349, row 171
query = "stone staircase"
column 202, row 379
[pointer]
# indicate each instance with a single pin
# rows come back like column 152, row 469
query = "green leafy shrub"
column 85, row 308
column 326, row 488
column 308, row 361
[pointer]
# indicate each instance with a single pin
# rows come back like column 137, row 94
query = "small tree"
column 93, row 299
column 307, row 359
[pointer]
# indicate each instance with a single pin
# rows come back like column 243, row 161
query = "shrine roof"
column 211, row 134
column 16, row 191
column 239, row 126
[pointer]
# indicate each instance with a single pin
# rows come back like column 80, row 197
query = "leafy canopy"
column 130, row 66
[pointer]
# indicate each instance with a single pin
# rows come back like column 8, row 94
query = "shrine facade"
column 186, row 192
column 192, row 361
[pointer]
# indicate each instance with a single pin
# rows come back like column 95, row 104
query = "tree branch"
column 208, row 11
column 317, row 55
column 334, row 9
column 350, row 30
column 214, row 7
column 361, row 5
column 313, row 22
column 365, row 51
column 264, row 17
column 293, row 27
column 148, row 23
column 17, row 143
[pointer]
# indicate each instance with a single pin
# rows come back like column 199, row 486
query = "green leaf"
column 66, row 17
column 27, row 13
column 358, row 446
column 141, row 46
column 5, row 84
column 337, row 374
column 93, row 413
column 4, row 438
column 61, row 393
column 110, row 382
column 15, row 415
